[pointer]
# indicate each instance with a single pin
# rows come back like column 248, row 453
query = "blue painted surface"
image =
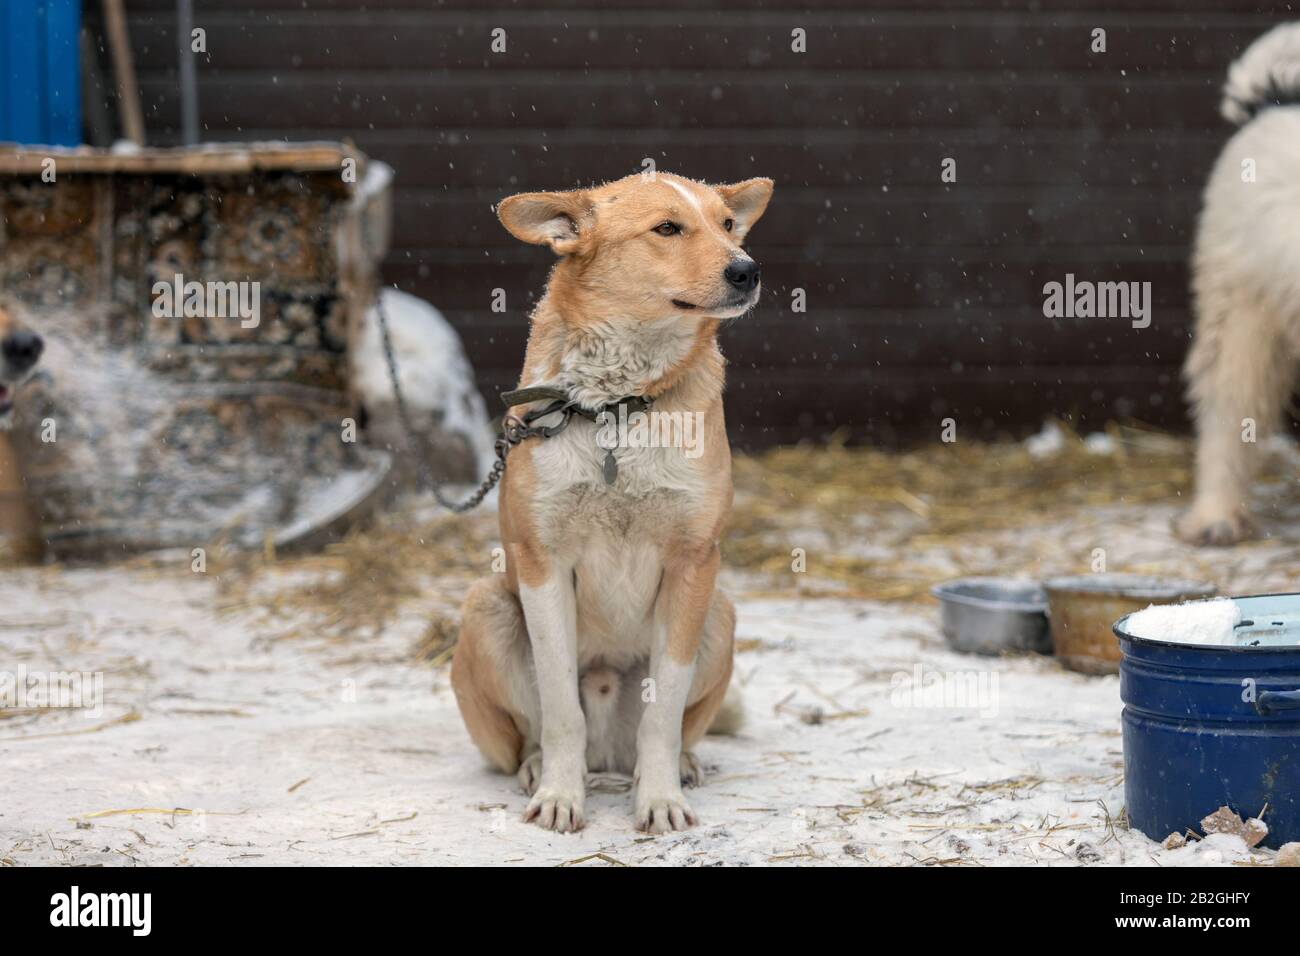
column 1206, row 727
column 40, row 72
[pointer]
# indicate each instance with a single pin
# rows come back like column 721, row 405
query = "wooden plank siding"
column 924, row 299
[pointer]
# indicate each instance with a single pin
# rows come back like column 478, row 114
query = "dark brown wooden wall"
column 924, row 299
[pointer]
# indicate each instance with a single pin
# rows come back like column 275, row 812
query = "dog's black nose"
column 742, row 274
column 21, row 349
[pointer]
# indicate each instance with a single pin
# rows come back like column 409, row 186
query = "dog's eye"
column 727, row 224
column 668, row 229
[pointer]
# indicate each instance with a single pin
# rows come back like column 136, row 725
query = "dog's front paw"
column 1213, row 527
column 556, row 808
column 662, row 813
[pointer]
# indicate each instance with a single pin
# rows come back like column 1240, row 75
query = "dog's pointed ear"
column 747, row 200
column 552, row 219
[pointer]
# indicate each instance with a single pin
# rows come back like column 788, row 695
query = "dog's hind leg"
column 710, row 683
column 491, row 674
column 1240, row 370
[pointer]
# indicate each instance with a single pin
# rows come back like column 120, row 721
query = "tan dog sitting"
column 606, row 645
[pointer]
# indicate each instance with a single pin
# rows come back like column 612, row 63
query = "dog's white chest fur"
column 614, row 534
column 576, row 458
column 620, row 358
column 602, row 368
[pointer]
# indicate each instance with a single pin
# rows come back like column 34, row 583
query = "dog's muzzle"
column 743, row 275
column 21, row 350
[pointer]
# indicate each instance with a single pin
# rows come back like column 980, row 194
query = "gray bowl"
column 994, row 615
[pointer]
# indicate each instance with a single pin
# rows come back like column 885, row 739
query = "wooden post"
column 189, row 79
column 128, row 93
column 20, row 533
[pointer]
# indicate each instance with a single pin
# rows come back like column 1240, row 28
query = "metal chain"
column 515, row 431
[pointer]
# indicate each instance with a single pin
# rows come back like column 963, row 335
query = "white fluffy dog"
column 1246, row 282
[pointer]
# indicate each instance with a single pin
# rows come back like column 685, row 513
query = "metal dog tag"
column 611, row 468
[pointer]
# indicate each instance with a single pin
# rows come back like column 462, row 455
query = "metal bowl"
column 1084, row 607
column 994, row 615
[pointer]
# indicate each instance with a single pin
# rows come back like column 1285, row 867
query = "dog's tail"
column 731, row 715
column 1267, row 74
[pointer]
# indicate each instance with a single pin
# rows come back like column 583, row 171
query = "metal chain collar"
column 514, row 429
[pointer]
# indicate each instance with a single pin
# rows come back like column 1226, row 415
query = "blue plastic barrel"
column 1212, row 726
column 40, row 72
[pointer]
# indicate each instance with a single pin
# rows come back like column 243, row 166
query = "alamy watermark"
column 928, row 689
column 75, row 908
column 81, row 690
column 217, row 300
column 1084, row 299
column 653, row 429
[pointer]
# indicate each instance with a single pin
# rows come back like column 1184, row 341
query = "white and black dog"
column 1246, row 281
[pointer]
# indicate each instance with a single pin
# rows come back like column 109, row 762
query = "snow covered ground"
column 219, row 741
